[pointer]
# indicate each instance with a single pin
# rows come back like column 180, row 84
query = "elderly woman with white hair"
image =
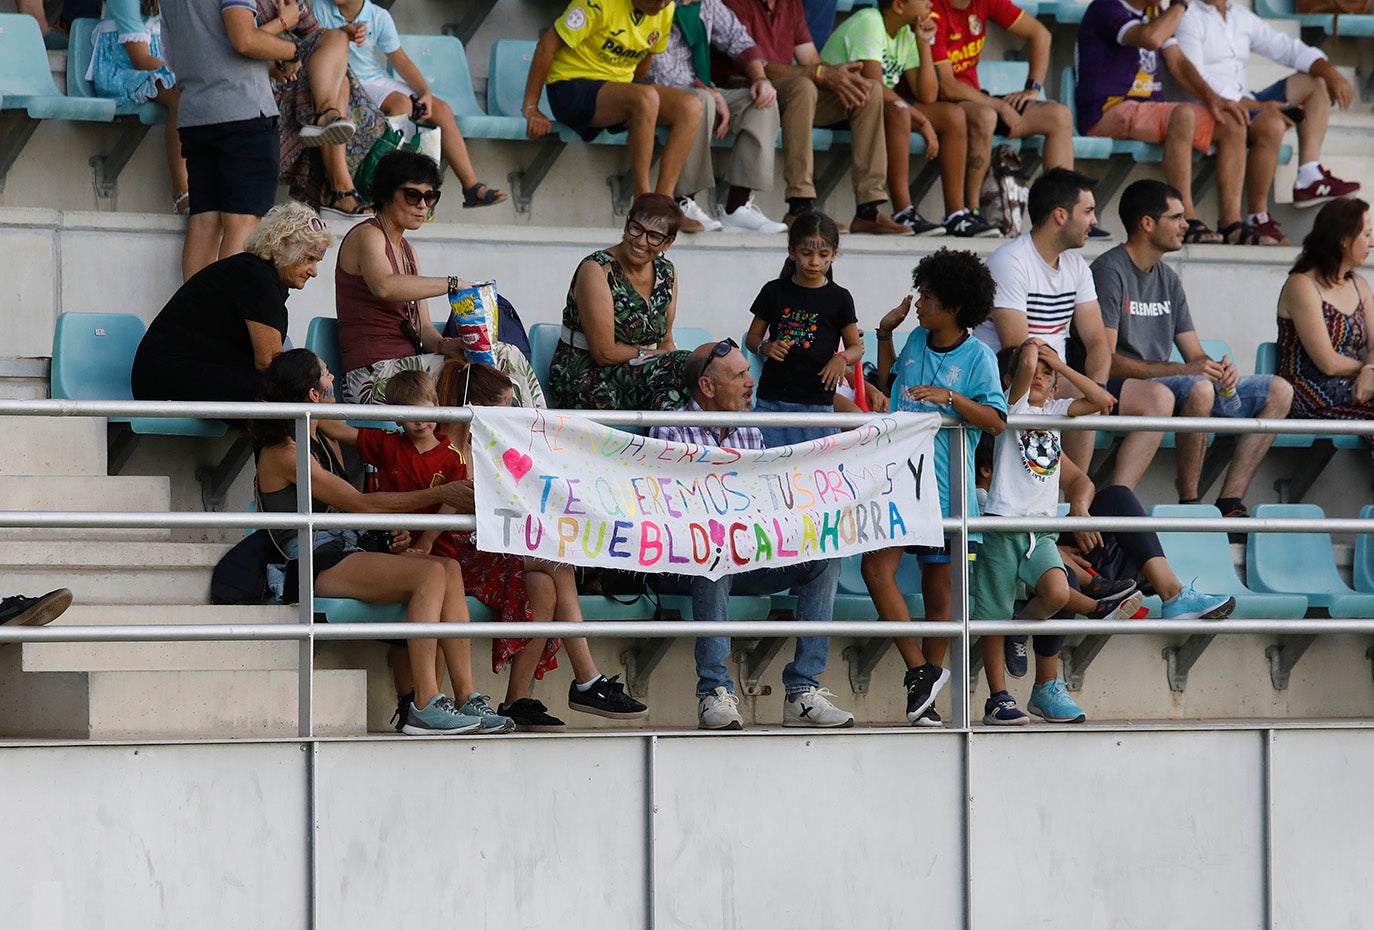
column 222, row 328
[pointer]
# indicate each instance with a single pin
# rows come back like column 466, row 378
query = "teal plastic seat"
column 1347, row 25
column 1206, row 558
column 1007, row 77
column 1301, row 563
column 852, row 600
column 26, row 82
column 348, row 610
column 1363, row 571
column 79, row 53
column 92, row 356
column 444, row 63
column 543, row 342
column 689, row 337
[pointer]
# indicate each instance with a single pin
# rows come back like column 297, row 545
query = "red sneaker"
column 1270, row 229
column 1327, row 187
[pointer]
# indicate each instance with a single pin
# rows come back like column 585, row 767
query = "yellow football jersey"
column 607, row 39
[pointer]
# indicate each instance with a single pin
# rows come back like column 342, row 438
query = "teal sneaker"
column 1194, row 605
column 1051, row 701
column 438, row 718
column 492, row 722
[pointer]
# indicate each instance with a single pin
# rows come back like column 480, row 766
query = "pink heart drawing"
column 717, row 532
column 516, row 463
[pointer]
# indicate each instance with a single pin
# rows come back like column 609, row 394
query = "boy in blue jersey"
column 942, row 369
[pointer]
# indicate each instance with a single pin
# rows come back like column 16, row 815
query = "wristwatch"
column 1032, row 84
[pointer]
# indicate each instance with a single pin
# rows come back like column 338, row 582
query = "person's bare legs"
column 1228, row 136
column 898, row 125
column 236, row 228
column 635, row 105
column 327, row 74
column 1192, row 446
column 201, row 248
column 1266, row 135
column 1051, row 594
column 937, row 590
column 1178, row 155
column 35, row 9
column 1055, row 123
column 880, row 577
column 981, row 120
column 680, row 111
column 1251, row 447
column 1140, row 398
column 568, row 609
column 951, row 127
column 1311, row 93
column 1161, row 577
column 169, row 97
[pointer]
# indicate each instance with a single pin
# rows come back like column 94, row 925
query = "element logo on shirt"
column 575, row 18
column 1040, row 452
column 798, row 326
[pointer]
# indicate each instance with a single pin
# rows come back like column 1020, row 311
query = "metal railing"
column 960, row 630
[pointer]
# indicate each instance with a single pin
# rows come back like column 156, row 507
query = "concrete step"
column 53, row 446
column 85, row 493
column 112, row 573
column 24, row 378
column 191, row 704
column 169, row 657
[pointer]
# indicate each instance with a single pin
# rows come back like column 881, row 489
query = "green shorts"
column 1006, row 563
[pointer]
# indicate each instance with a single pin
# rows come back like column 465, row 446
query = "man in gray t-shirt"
column 1145, row 313
column 227, row 117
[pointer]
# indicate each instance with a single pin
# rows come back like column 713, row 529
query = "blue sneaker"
column 492, row 722
column 1014, row 652
column 1051, row 701
column 1000, row 710
column 1194, row 605
column 438, row 718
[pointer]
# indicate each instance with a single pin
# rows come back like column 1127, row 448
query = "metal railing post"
column 305, row 663
column 958, row 510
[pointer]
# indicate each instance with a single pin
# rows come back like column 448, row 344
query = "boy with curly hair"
column 942, row 369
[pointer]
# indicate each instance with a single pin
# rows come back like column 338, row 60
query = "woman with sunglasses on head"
column 222, row 328
column 617, row 351
column 382, row 299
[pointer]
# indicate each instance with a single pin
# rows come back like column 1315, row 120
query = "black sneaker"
column 917, row 223
column 1111, row 595
column 34, row 611
column 1100, row 586
column 922, row 684
column 929, row 718
column 402, row 710
column 606, row 698
column 1014, row 653
column 971, row 225
column 531, row 716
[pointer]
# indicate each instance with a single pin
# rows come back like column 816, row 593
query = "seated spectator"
column 957, row 48
column 887, row 40
column 221, row 329
column 812, row 93
column 381, row 297
column 592, row 61
column 516, row 588
column 1044, row 285
column 720, row 381
column 226, row 118
column 431, row 587
column 1145, row 312
column 407, row 94
column 617, row 350
column 127, row 66
column 322, row 107
column 749, row 113
column 1120, row 96
column 942, row 369
column 1026, row 483
column 805, row 329
column 1326, row 314
column 1218, row 37
column 18, row 610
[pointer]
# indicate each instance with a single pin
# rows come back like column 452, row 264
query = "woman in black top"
column 221, row 329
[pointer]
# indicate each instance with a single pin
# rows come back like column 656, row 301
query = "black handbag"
column 240, row 577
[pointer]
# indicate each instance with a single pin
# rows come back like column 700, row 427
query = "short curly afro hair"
column 960, row 282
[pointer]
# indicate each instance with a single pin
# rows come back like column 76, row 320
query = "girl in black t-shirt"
column 805, row 315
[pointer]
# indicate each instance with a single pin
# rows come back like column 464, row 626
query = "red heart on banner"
column 517, row 464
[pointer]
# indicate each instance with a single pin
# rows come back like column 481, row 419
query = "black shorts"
column 573, row 104
column 937, row 555
column 232, row 167
column 1002, row 128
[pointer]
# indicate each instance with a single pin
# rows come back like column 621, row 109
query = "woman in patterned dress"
column 617, row 351
column 1326, row 313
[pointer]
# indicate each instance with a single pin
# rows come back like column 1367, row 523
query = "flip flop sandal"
column 336, row 131
column 331, row 204
column 1243, row 233
column 482, row 195
column 1199, row 232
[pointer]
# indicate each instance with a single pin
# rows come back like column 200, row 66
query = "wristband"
column 455, row 283
column 1032, row 84
column 529, row 106
column 1367, row 367
column 951, row 397
column 284, row 27
column 882, row 336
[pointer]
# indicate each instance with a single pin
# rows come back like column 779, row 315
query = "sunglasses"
column 719, row 350
column 315, row 225
column 634, row 229
column 414, row 196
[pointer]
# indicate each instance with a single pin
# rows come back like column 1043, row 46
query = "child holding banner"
column 805, row 315
column 942, row 369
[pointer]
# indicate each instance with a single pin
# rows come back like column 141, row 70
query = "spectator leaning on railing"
column 1145, row 313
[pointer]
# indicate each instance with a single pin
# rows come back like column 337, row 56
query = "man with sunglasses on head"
column 719, row 380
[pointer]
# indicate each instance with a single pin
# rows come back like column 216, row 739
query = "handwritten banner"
column 560, row 487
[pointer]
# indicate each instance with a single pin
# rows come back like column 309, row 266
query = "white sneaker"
column 719, row 711
column 749, row 218
column 692, row 210
column 812, row 708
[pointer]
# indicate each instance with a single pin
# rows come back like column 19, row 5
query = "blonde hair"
column 412, row 387
column 286, row 233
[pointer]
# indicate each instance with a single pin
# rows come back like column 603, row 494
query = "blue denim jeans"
column 1251, row 390
column 791, row 435
column 814, row 583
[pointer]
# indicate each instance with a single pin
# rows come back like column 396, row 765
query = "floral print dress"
column 577, row 382
column 1317, row 395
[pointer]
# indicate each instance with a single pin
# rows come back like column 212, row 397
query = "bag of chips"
column 475, row 317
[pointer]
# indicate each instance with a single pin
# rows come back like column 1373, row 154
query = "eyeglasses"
column 719, row 350
column 414, row 196
column 634, row 229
